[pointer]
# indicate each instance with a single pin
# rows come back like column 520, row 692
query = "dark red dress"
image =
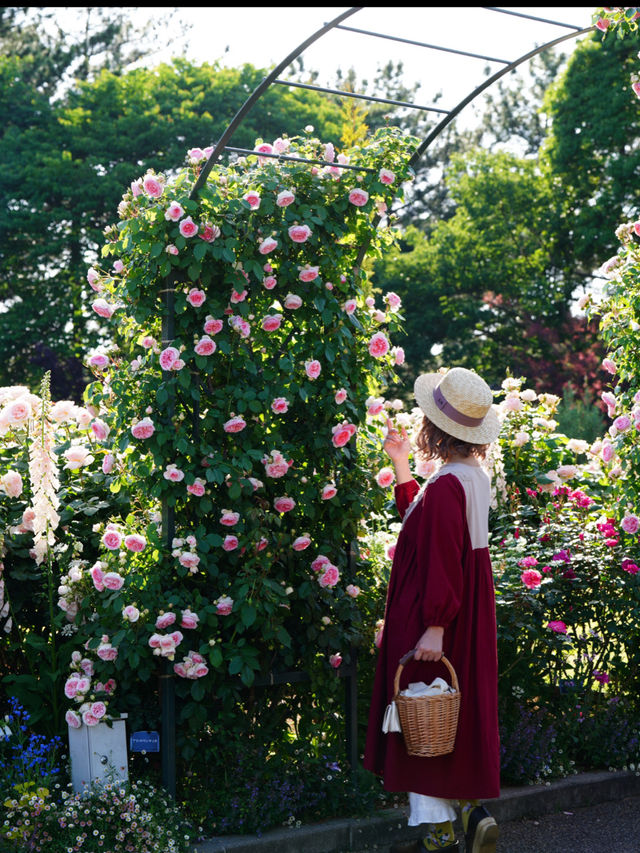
column 437, row 578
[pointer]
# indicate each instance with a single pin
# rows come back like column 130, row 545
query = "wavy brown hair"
column 434, row 443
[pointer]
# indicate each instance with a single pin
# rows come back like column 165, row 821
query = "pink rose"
column 107, row 463
column 292, row 301
column 352, row 590
column 112, row 539
column 280, row 405
column 189, row 561
column 230, row 543
column 358, row 197
column 173, row 473
column 267, row 246
column 197, row 488
column 557, row 626
column 622, row 423
column 301, row 542
column 264, row 148
column 398, row 355
column 107, row 652
column 236, row 424
column 378, row 345
column 342, row 433
column 312, row 368
column 299, row 233
column 629, row 566
column 189, row 620
column 168, row 358
column 209, row 232
column 97, row 576
column 609, row 365
column 113, row 581
column 98, row 709
column 253, row 199
column 375, row 405
column 73, row 719
column 630, row 523
column 229, row 518
column 100, row 430
column 152, row 186
column 130, row 613
column 196, row 297
column 134, row 542
column 188, row 227
column 272, row 322
column 329, row 577
column 341, row 396
column 224, row 605
column 11, row 484
column 237, row 296
column 531, row 578
column 174, row 212
column 164, row 620
column 386, row 176
column 349, row 306
column 607, row 452
column 93, row 277
column 603, row 24
column 71, row 687
column 309, row 273
column 212, row 326
column 99, row 361
column 329, row 491
column 284, row 504
column 103, row 308
column 275, row 464
column 285, row 198
column 320, row 562
column 335, row 660
column 143, row 429
column 635, row 86
column 89, row 719
column 269, row 282
column 205, row 346
column 385, row 477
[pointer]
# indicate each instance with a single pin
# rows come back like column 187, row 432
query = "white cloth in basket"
column 391, row 721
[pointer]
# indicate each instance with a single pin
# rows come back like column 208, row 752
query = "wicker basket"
column 428, row 723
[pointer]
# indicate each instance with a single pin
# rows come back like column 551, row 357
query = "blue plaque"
column 144, row 742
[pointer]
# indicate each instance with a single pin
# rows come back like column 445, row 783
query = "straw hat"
column 460, row 403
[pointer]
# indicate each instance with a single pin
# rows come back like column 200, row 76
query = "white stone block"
column 98, row 754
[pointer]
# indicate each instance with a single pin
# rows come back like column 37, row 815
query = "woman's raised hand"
column 397, row 444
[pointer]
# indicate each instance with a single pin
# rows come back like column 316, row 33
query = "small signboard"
column 144, row 742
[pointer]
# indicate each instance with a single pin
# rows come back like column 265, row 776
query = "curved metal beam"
column 255, row 95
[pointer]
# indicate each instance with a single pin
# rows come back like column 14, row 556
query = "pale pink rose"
column 196, row 297
column 335, row 660
column 521, row 438
column 292, row 301
column 398, row 355
column 301, row 542
column 63, row 410
column 280, row 405
column 100, row 430
column 164, row 620
column 97, row 576
column 230, row 543
column 205, row 346
column 235, row 424
column 622, row 423
column 375, row 405
column 385, row 477
column 224, row 605
column 73, row 720
column 329, row 577
column 329, row 152
column 609, row 365
column 84, row 684
column 269, row 282
column 358, row 197
column 11, row 484
column 341, row 396
column 352, row 590
column 209, row 232
column 130, row 613
column 71, row 687
column 143, row 429
column 284, row 504
column 212, row 326
column 329, row 491
column 99, row 361
column 237, row 296
column 320, row 562
column 607, row 452
column 342, row 433
column 264, row 148
column 113, row 581
column 267, row 245
column 197, row 488
column 195, row 154
column 77, row 457
column 567, row 472
column 103, row 308
column 188, row 227
column 630, row 523
column 173, row 473
column 386, row 176
column 281, row 146
column 107, row 652
column 512, row 402
column 93, row 277
column 275, row 464
column 328, row 285
column 378, row 345
column 171, row 249
column 148, row 342
column 272, row 322
column 285, row 198
column 168, row 358
column 189, row 620
column 309, row 273
column 229, row 518
column 299, row 233
column 635, row 86
column 135, row 542
column 98, row 709
column 154, row 641
column 89, row 719
column 153, row 187
column 174, row 212
column 312, row 368
column 189, row 561
column 253, row 199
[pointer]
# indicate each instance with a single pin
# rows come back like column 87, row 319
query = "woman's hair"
column 434, row 443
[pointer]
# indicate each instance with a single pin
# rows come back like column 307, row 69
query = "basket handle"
column 406, row 658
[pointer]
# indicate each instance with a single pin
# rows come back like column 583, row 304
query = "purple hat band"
column 451, row 412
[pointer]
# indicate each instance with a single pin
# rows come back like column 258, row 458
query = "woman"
column 441, row 600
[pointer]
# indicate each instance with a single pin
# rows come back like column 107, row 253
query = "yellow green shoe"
column 482, row 832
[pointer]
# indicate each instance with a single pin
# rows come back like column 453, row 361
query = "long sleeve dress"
column 441, row 575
